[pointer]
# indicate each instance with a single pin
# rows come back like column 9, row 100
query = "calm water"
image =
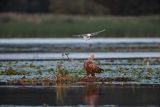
column 82, row 94
column 53, row 48
column 78, row 40
column 54, row 56
column 54, row 45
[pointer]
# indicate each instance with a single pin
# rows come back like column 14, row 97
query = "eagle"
column 90, row 67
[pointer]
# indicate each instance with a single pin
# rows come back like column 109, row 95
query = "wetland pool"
column 142, row 90
column 81, row 95
column 29, row 67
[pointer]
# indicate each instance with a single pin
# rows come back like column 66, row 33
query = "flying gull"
column 89, row 35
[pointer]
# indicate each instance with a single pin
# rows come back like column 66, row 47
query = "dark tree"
column 131, row 7
column 83, row 7
column 25, row 6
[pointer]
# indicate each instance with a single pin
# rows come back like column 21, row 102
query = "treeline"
column 83, row 7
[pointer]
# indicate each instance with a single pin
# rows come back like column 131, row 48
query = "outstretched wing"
column 95, row 33
column 80, row 35
column 91, row 34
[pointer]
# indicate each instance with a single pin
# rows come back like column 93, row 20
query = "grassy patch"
column 65, row 26
column 63, row 75
column 11, row 71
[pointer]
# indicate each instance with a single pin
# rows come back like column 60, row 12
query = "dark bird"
column 90, row 67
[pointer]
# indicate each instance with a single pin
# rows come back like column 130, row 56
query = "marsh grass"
column 64, row 75
column 11, row 71
column 71, row 71
column 23, row 25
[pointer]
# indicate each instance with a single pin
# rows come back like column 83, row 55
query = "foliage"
column 65, row 71
column 11, row 71
column 60, row 69
column 83, row 7
column 63, row 75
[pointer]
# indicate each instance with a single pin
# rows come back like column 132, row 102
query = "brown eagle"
column 90, row 67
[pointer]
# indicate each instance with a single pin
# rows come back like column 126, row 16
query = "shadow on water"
column 93, row 94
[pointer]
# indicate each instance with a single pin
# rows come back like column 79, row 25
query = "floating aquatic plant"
column 64, row 70
column 51, row 70
column 11, row 71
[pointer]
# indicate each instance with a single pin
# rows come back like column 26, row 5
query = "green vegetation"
column 63, row 75
column 47, row 25
column 11, row 71
column 61, row 71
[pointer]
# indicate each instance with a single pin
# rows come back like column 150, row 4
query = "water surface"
column 87, row 94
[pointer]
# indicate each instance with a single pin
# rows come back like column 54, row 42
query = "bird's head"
column 91, row 56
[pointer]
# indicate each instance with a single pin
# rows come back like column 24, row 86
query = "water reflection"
column 91, row 94
column 61, row 91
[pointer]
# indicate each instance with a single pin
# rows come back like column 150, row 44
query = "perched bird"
column 90, row 67
column 88, row 35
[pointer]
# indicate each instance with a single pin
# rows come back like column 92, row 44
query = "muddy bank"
column 50, row 81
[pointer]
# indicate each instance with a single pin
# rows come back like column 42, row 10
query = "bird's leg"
column 93, row 74
column 88, row 74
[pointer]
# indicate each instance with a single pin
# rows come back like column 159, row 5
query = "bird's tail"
column 99, row 70
column 102, row 70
